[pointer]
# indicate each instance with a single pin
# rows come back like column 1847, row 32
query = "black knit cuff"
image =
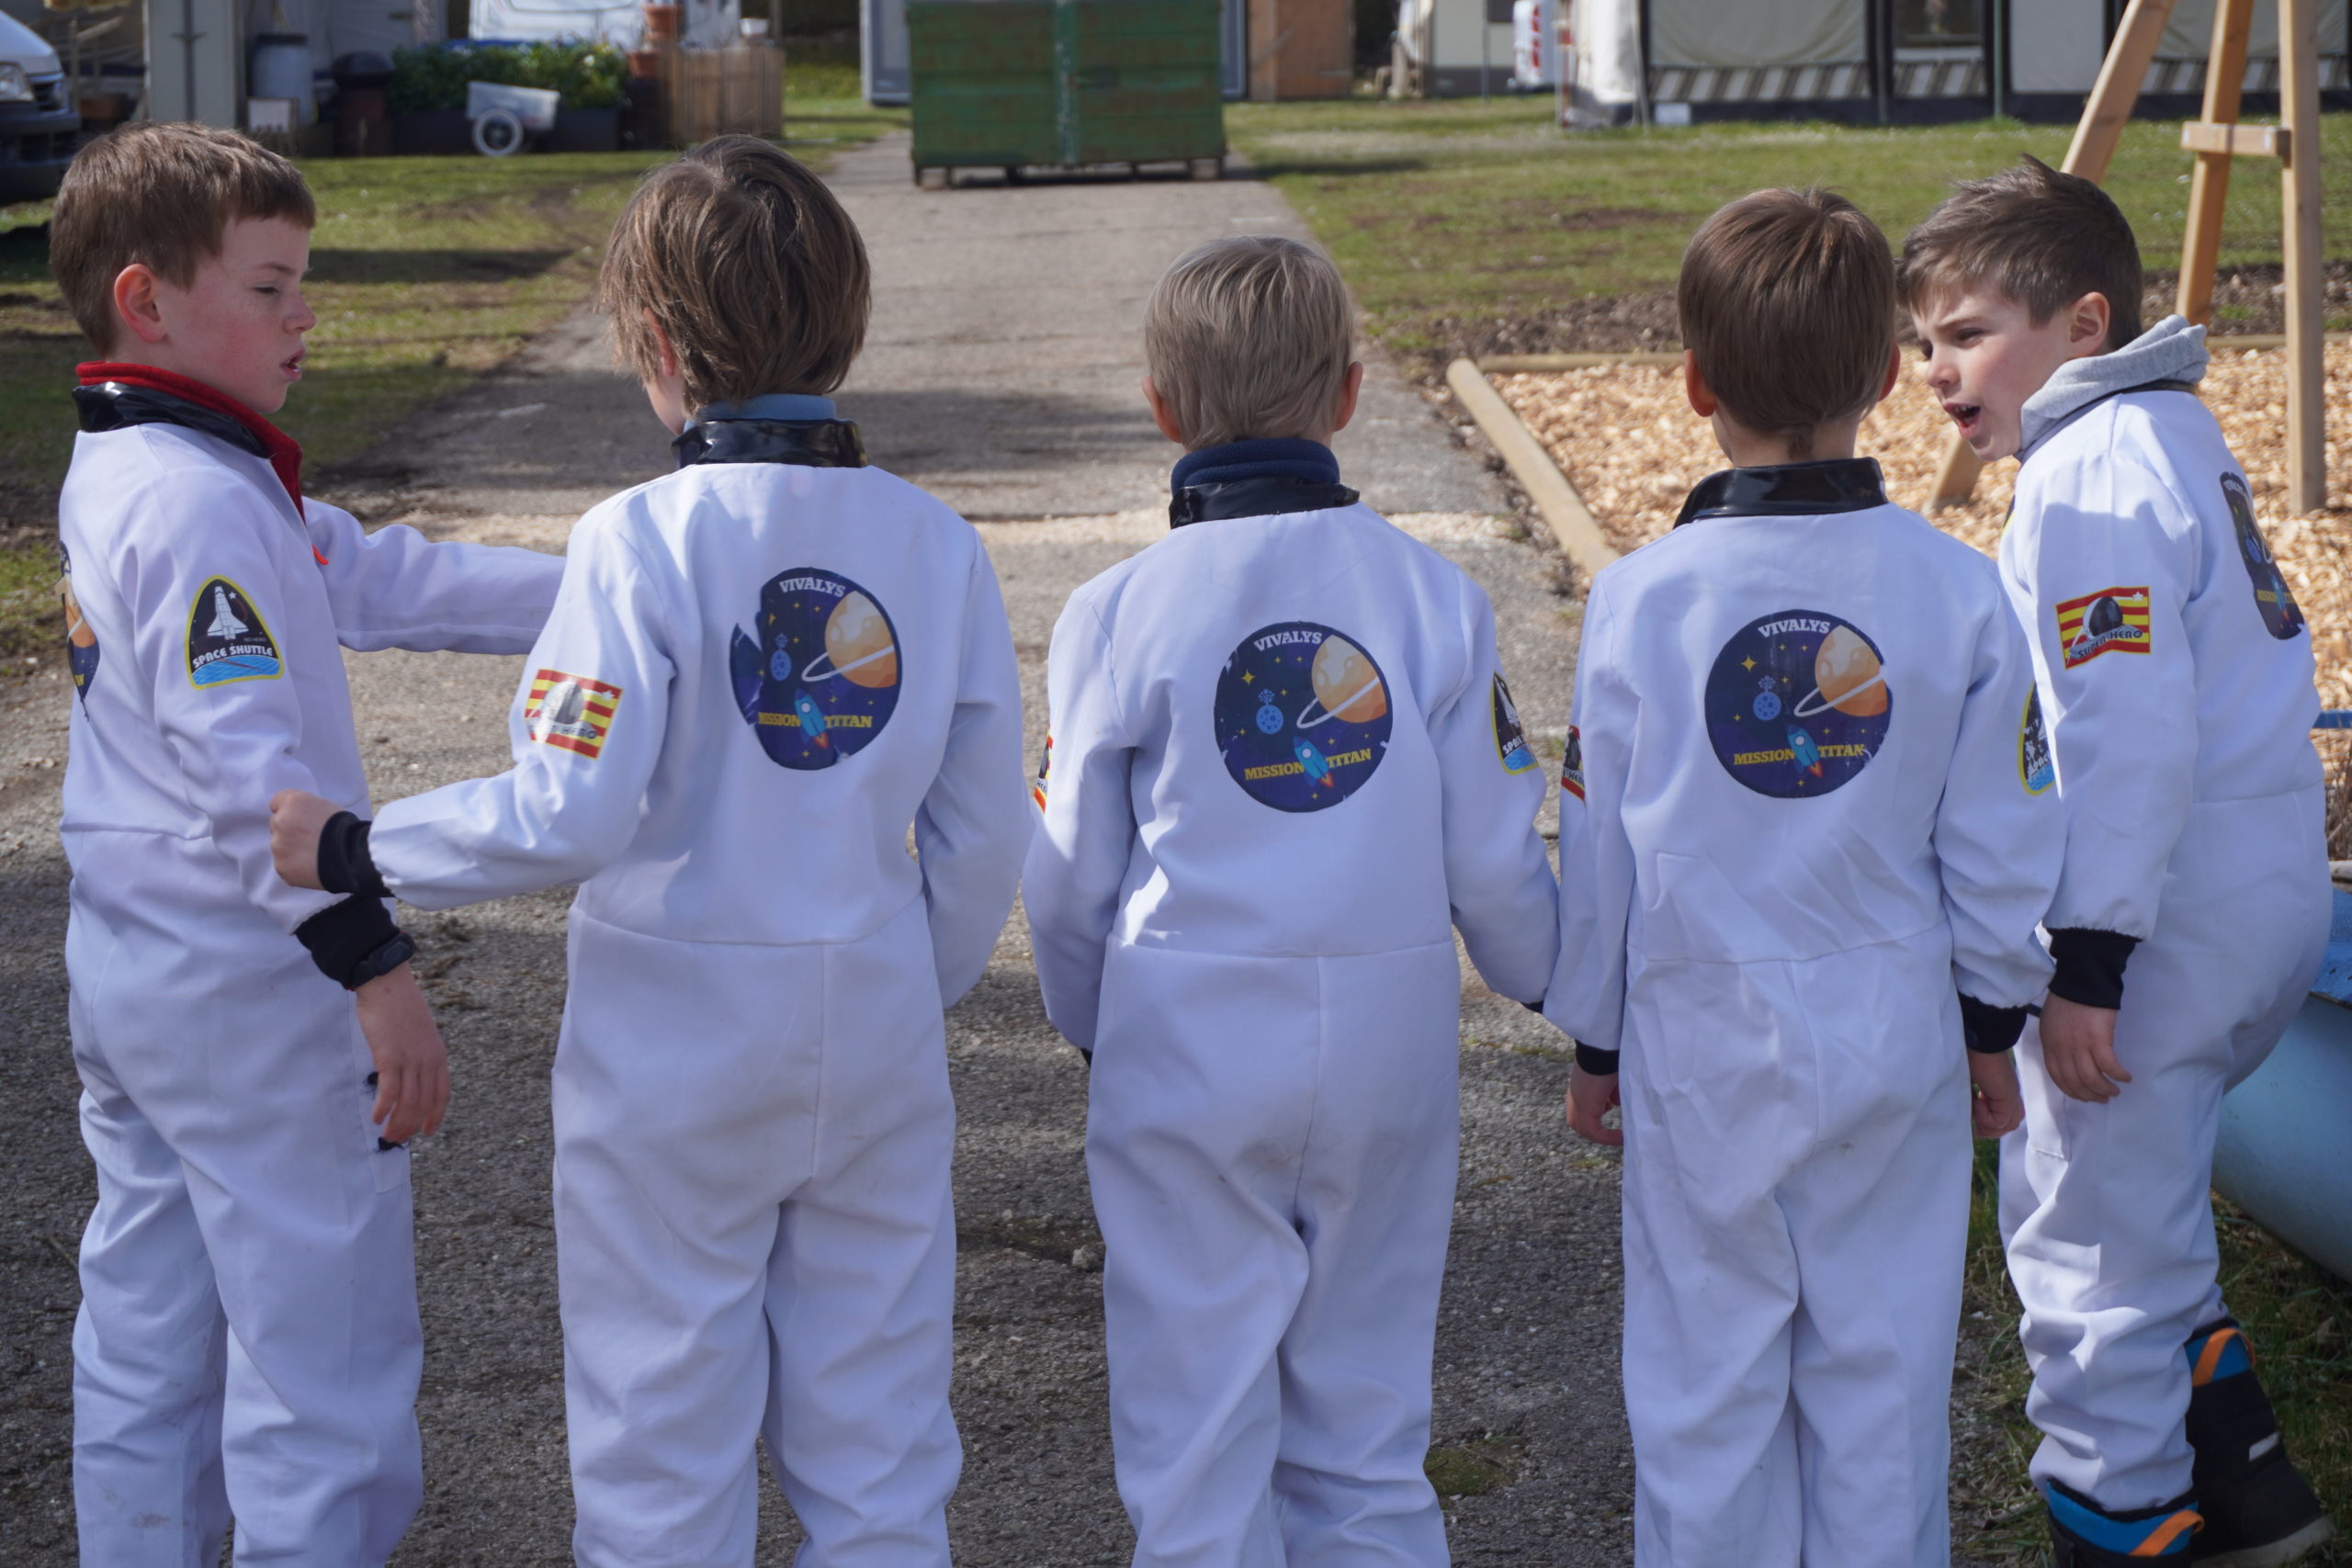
column 2090, row 965
column 1596, row 1061
column 342, row 936
column 345, row 865
column 1988, row 1029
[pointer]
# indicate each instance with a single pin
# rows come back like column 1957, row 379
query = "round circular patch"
column 1797, row 703
column 1302, row 715
column 817, row 676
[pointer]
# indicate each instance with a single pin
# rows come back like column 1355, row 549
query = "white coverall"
column 1281, row 754
column 1811, row 808
column 248, row 1341
column 2181, row 719
column 756, row 676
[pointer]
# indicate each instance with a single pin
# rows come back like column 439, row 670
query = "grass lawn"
column 424, row 272
column 1447, row 212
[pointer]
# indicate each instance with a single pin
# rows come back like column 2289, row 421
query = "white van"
column 39, row 129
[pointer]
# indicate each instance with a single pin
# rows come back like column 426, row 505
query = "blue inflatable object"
column 2285, row 1152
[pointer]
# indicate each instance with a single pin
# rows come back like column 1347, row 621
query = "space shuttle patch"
column 2113, row 620
column 81, row 642
column 1045, row 772
column 1572, row 765
column 570, row 712
column 2036, row 768
column 1510, row 738
column 227, row 641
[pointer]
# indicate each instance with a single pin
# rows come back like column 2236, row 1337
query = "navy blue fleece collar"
column 1274, row 458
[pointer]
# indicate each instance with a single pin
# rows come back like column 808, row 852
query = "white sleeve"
column 1587, row 998
column 1498, row 878
column 2000, row 832
column 1078, row 857
column 587, row 728
column 2099, row 570
column 393, row 588
column 974, row 823
column 207, row 611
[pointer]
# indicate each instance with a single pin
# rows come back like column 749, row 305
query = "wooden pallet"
column 737, row 90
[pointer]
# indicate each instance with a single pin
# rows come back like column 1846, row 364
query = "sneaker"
column 2259, row 1513
column 2084, row 1535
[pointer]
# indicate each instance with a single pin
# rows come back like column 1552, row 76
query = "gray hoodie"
column 2172, row 349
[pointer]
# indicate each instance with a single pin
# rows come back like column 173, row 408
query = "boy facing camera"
column 2194, row 906
column 1284, row 768
column 763, row 671
column 1808, row 832
column 252, row 1056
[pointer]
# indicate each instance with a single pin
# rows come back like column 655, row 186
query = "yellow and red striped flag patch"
column 2113, row 620
column 571, row 711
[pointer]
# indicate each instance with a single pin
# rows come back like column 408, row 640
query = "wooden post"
column 2105, row 114
column 2299, row 204
column 2209, row 186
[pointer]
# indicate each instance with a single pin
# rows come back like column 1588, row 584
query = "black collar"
column 805, row 443
column 111, row 405
column 1788, row 489
column 1267, row 495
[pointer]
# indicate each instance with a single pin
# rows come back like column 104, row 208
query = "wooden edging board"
column 1572, row 522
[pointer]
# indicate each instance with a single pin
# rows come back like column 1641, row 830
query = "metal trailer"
column 883, row 63
column 1064, row 83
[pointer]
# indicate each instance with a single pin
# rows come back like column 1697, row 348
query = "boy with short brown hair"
column 248, row 1341
column 2177, row 676
column 1803, row 849
column 753, row 1126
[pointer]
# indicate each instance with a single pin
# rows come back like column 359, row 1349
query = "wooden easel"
column 2215, row 139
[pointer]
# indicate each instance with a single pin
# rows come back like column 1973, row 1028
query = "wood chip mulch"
column 1630, row 444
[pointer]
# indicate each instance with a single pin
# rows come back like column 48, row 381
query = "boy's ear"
column 1351, row 389
column 1893, row 371
column 671, row 369
column 1162, row 415
column 135, row 305
column 2087, row 324
column 1694, row 387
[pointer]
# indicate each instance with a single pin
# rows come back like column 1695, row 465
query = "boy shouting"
column 2176, row 676
column 252, row 1056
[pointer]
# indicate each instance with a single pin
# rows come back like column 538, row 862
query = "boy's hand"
column 1996, row 1105
column 2078, row 1050
column 1590, row 1097
column 411, row 1064
column 296, row 819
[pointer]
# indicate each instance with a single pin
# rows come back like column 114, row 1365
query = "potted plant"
column 592, row 78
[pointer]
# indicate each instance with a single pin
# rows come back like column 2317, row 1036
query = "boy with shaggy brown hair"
column 248, row 1342
column 2177, row 674
column 1805, row 840
column 763, row 671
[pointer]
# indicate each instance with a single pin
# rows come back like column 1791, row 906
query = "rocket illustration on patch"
column 1808, row 755
column 1312, row 761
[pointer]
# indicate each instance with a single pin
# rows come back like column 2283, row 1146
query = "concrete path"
column 1000, row 374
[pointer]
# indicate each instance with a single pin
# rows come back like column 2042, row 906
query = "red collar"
column 285, row 454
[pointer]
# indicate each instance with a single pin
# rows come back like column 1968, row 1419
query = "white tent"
column 1893, row 59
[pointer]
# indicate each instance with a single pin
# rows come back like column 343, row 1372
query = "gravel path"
column 1002, row 374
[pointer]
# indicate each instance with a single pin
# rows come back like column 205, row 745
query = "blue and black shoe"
column 2084, row 1535
column 2259, row 1513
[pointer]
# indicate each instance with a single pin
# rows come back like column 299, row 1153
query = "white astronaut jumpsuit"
column 2177, row 677
column 1814, row 808
column 757, row 675
column 248, row 1341
column 1281, row 754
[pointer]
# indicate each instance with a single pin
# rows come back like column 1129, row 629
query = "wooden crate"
column 721, row 92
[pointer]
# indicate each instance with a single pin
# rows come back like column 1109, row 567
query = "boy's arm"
column 975, row 821
column 2099, row 571
column 1497, row 879
column 587, row 728
column 1587, row 998
column 207, row 615
column 1999, row 838
column 1079, row 856
column 393, row 588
